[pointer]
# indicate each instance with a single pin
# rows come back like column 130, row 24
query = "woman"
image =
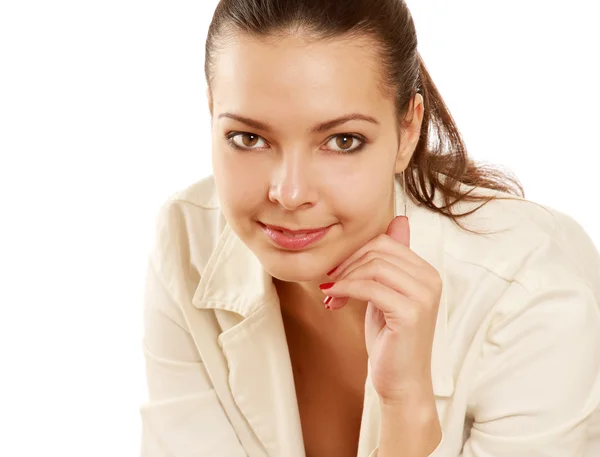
column 349, row 282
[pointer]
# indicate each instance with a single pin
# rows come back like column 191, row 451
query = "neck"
column 302, row 304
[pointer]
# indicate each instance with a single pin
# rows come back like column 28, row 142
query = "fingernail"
column 326, row 301
column 326, row 285
column 331, row 272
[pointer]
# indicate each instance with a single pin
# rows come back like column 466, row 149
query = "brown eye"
column 344, row 142
column 248, row 140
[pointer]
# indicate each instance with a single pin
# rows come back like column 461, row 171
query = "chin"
column 295, row 269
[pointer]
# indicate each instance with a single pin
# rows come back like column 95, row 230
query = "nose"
column 292, row 183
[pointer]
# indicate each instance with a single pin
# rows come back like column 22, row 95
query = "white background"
column 103, row 115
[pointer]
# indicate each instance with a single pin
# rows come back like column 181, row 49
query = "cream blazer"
column 516, row 351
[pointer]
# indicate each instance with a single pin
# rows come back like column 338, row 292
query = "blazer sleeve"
column 183, row 416
column 538, row 384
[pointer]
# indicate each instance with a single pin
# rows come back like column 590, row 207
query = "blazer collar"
column 234, row 280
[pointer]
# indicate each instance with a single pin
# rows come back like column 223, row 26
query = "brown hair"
column 441, row 149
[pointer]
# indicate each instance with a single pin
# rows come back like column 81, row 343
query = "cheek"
column 359, row 196
column 238, row 186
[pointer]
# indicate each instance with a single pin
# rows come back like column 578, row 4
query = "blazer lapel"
column 261, row 381
column 254, row 348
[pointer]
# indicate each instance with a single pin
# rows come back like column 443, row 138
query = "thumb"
column 399, row 230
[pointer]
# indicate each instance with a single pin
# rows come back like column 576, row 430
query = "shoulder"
column 188, row 225
column 533, row 283
column 528, row 242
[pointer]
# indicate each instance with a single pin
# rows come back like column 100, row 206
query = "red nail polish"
column 330, row 273
column 326, row 285
column 327, row 300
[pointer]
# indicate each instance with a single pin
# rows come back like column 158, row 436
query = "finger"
column 382, row 243
column 392, row 276
column 399, row 230
column 369, row 256
column 384, row 298
column 336, row 302
column 396, row 278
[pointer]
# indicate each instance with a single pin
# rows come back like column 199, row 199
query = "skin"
column 289, row 174
column 292, row 177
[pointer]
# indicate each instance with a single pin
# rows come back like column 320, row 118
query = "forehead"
column 291, row 73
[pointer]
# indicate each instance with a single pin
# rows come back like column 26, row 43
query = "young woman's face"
column 290, row 164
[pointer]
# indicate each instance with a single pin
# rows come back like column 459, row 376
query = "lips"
column 293, row 239
column 295, row 232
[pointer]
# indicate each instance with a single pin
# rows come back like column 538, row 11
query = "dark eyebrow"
column 319, row 128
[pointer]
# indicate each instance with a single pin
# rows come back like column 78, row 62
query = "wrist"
column 409, row 426
column 421, row 409
column 414, row 395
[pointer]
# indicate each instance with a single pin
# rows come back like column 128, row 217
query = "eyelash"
column 362, row 139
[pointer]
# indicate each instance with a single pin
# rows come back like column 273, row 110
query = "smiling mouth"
column 298, row 232
column 293, row 239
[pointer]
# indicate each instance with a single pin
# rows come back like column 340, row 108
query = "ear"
column 410, row 130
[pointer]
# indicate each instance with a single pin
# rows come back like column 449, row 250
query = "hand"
column 403, row 294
